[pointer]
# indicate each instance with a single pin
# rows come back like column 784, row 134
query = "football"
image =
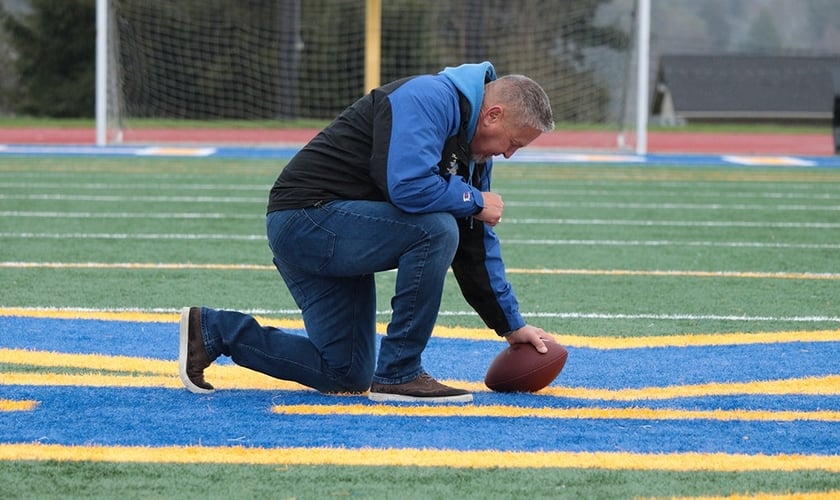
column 521, row 368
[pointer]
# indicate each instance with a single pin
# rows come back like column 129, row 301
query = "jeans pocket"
column 300, row 242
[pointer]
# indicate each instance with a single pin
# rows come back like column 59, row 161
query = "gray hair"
column 527, row 100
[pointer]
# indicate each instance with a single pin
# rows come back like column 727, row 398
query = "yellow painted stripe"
column 52, row 313
column 806, row 495
column 235, row 378
column 828, row 385
column 701, row 339
column 223, row 377
column 572, row 272
column 137, row 265
column 605, row 173
column 564, row 413
column 149, row 372
column 160, row 373
column 12, row 405
column 670, row 273
column 90, row 380
column 720, row 462
column 681, row 340
column 132, row 316
column 86, row 361
column 226, row 378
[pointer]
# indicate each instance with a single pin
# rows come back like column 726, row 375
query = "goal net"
column 215, row 65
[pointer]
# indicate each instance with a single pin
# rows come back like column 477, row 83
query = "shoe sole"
column 184, row 330
column 380, row 397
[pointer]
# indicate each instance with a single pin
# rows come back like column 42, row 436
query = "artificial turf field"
column 699, row 305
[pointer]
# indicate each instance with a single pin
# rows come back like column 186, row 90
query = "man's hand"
column 530, row 335
column 493, row 207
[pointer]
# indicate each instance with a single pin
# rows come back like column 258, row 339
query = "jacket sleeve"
column 413, row 123
column 480, row 272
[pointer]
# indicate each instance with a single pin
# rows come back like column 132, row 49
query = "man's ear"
column 493, row 113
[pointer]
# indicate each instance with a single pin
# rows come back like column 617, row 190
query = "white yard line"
column 127, row 215
column 669, row 206
column 713, row 192
column 108, row 198
column 135, row 236
column 650, row 194
column 160, row 186
column 675, row 223
column 261, row 237
column 536, row 204
column 540, row 221
column 547, row 272
column 560, row 315
column 674, row 243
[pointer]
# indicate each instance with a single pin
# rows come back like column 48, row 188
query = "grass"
column 87, row 480
column 678, row 217
column 733, row 242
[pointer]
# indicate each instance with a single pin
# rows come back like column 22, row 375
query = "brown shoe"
column 192, row 356
column 423, row 389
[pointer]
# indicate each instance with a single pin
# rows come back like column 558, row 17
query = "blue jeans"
column 327, row 255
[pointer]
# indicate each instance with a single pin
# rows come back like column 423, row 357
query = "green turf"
column 22, row 368
column 89, row 480
column 687, row 208
column 703, row 212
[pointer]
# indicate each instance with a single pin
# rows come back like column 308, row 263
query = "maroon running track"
column 658, row 142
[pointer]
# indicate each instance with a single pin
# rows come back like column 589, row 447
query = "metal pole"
column 643, row 75
column 101, row 71
column 835, row 121
column 289, row 55
column 373, row 44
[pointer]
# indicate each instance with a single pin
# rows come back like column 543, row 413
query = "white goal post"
column 642, row 74
column 102, row 67
column 211, row 63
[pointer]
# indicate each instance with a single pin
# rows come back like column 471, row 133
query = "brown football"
column 521, row 368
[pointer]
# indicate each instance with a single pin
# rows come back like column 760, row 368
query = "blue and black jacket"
column 407, row 142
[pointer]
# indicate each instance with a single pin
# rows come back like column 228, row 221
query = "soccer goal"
column 216, row 65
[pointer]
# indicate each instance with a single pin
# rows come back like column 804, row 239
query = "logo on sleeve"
column 453, row 165
column 467, row 197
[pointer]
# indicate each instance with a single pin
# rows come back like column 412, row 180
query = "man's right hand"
column 493, row 207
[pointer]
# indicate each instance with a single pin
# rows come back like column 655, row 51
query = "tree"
column 544, row 39
column 8, row 79
column 762, row 33
column 271, row 74
column 230, row 60
column 55, row 47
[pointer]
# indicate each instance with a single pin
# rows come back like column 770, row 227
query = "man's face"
column 497, row 134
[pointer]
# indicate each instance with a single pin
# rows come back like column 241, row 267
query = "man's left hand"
column 530, row 335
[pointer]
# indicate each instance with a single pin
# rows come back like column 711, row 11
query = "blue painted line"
column 533, row 155
column 110, row 417
column 282, row 153
column 24, row 150
column 468, row 360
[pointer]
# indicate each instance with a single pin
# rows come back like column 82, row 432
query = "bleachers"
column 738, row 88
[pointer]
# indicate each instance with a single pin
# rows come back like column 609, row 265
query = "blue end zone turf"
column 146, row 416
column 463, row 359
column 163, row 417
